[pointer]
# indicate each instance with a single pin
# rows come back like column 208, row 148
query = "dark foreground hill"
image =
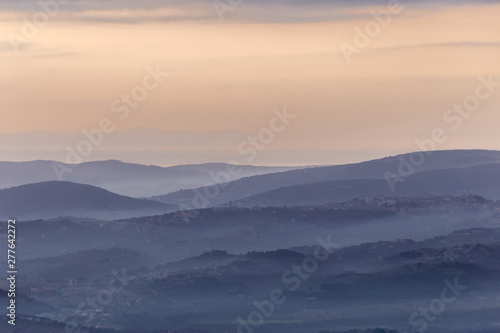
column 348, row 290
column 54, row 199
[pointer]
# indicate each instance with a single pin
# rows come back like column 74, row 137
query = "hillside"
column 53, row 199
column 129, row 179
column 202, row 274
column 481, row 180
column 374, row 169
column 395, row 278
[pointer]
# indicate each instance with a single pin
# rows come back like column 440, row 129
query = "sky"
column 232, row 64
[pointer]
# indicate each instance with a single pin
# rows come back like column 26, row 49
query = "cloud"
column 36, row 51
column 132, row 11
column 458, row 44
column 7, row 47
column 129, row 16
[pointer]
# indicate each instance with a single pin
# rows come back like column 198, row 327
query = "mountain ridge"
column 124, row 178
column 58, row 198
column 373, row 169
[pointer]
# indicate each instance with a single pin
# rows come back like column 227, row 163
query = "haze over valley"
column 249, row 166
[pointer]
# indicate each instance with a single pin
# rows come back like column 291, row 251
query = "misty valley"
column 310, row 250
column 237, row 166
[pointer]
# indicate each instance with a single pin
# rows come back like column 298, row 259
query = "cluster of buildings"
column 427, row 203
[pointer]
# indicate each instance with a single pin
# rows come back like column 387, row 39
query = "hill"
column 53, row 199
column 374, row 170
column 129, row 179
column 481, row 180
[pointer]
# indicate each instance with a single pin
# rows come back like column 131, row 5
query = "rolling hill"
column 373, row 170
column 481, row 180
column 129, row 179
column 54, row 199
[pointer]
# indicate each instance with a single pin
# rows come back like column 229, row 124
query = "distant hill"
column 54, row 199
column 373, row 170
column 480, row 180
column 83, row 264
column 129, row 179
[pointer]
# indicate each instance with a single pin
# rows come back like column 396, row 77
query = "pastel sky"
column 228, row 75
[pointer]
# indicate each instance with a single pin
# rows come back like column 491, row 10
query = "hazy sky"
column 228, row 75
